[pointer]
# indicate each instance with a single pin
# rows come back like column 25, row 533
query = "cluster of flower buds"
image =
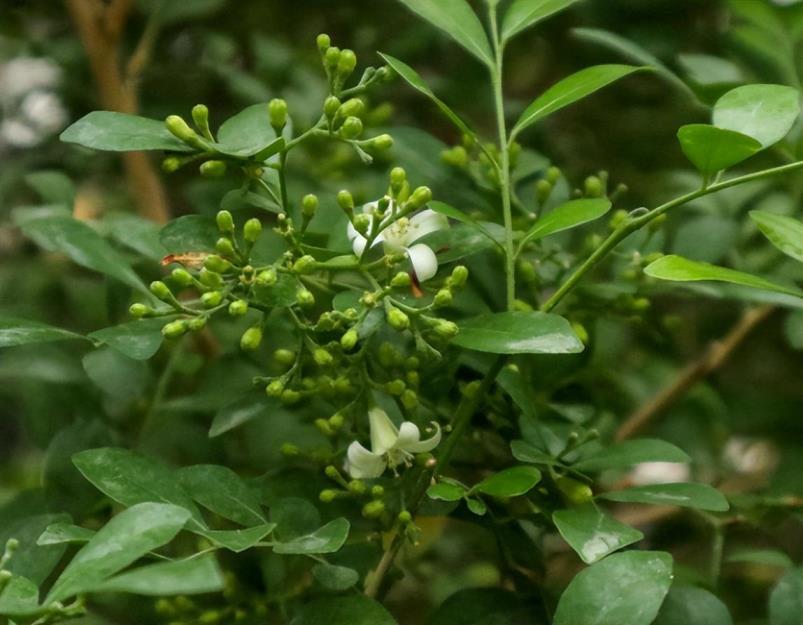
column 480, row 161
column 372, row 499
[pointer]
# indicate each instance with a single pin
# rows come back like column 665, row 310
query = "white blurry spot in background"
column 648, row 473
column 31, row 110
column 750, row 456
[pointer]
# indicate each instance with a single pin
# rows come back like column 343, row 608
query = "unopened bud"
column 459, row 276
column 180, row 129
column 277, row 112
column 345, row 201
column 290, row 397
column 328, row 495
column 349, row 340
column 139, row 310
column 543, row 189
column 331, row 58
column 213, row 169
column 160, row 290
column 322, row 357
column 331, row 106
column 197, row 324
column 446, row 329
column 373, row 509
column 212, row 279
column 395, row 387
column 421, row 197
column 224, row 247
column 405, row 518
column 171, row 164
column 401, row 280
column 305, row 298
column 357, row 487
column 324, row 42
column 268, row 277
column 382, row 142
column 593, row 187
column 397, row 319
column 362, row 223
column 347, row 63
column 352, row 128
column 211, row 299
column 409, row 399
column 553, row 174
column 354, row 107
column 305, row 265
column 398, row 177
column 225, row 221
column 274, row 389
column 284, row 357
column 238, row 308
column 442, row 298
column 252, row 229
column 174, row 329
column 251, row 338
column 181, row 277
column 309, row 205
column 217, row 264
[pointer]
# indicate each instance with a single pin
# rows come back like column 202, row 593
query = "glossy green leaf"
column 764, row 112
column 352, row 610
column 416, row 82
column 335, row 577
column 190, row 233
column 446, row 491
column 685, row 605
column 523, row 14
column 61, row 533
column 679, row 269
column 119, row 132
column 712, row 149
column 510, row 482
column 222, row 491
column 192, row 576
column 139, row 339
column 31, row 560
column 626, row 454
column 685, row 495
column 457, row 18
column 518, row 333
column 239, row 540
column 83, row 245
column 19, row 597
column 328, row 539
column 130, row 478
column 766, row 557
column 248, row 134
column 623, row 589
column 786, row 606
column 122, row 541
column 483, row 606
column 15, row 332
column 476, row 506
column 569, row 215
column 785, row 233
column 570, row 90
column 592, row 533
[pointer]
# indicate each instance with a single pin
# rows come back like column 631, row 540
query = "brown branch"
column 100, row 28
column 711, row 360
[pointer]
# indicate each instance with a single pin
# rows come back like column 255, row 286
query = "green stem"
column 620, row 234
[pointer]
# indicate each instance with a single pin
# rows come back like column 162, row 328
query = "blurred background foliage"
column 741, row 424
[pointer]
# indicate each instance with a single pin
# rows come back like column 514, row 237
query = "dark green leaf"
column 136, row 233
column 248, row 134
column 483, row 606
column 764, row 112
column 335, row 577
column 222, row 491
column 592, row 533
column 328, row 539
column 138, row 339
column 510, row 482
column 239, row 540
column 785, row 233
column 685, row 605
column 446, row 491
column 712, row 149
column 463, row 240
column 628, row 453
column 623, row 589
column 353, row 610
column 32, row 561
column 19, row 598
column 786, row 607
column 686, row 495
column 15, row 332
column 192, row 576
column 118, row 376
column 518, row 333
column 523, row 14
column 524, row 451
column 190, row 233
column 569, row 215
column 240, row 412
column 118, row 132
column 60, row 533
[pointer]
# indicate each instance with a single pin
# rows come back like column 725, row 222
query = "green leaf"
column 523, row 14
column 15, row 332
column 335, row 577
column 417, row 83
column 137, row 234
column 248, row 134
column 570, row 90
column 623, row 589
column 476, row 506
column 685, row 495
column 767, row 557
column 524, row 451
column 190, row 233
column 679, row 269
column 712, row 149
column 139, row 339
column 119, row 132
column 221, row 490
column 510, row 482
column 61, row 533
column 19, row 597
column 592, row 533
column 785, row 233
column 483, row 606
column 786, row 607
column 130, row 478
column 456, row 18
column 446, row 491
column 462, row 240
column 239, row 540
column 83, row 245
column 118, row 376
column 328, row 539
column 628, row 453
column 569, row 215
column 192, row 576
column 121, row 542
column 242, row 411
column 353, row 610
column 31, row 560
column 54, row 187
column 764, row 112
column 687, row 604
column 518, row 333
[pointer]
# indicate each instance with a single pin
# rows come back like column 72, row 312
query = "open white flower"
column 390, row 446
column 400, row 236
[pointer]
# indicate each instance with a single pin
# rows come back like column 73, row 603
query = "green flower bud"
column 574, row 491
column 343, row 386
column 309, row 206
column 395, row 387
column 324, row 42
column 181, row 277
column 362, row 223
column 442, row 298
column 347, row 63
column 211, row 299
column 284, row 357
column 336, row 421
column 252, row 230
column 274, row 389
column 401, row 280
column 251, row 338
column 331, row 106
column 213, row 169
column 305, row 265
column 332, row 473
column 456, row 156
column 377, row 491
column 398, row 177
column 385, row 74
column 180, row 129
column 331, row 58
column 224, row 247
column 357, row 487
column 352, row 128
column 405, row 518
column 409, row 399
column 345, row 201
column 171, row 164
column 397, row 319
column 277, row 112
column 421, row 197
column 210, row 617
column 581, row 332
column 238, row 308
column 225, row 221
column 382, row 142
column 413, row 378
column 543, row 189
column 139, row 310
column 328, row 495
column 641, row 304
column 322, row 357
column 324, row 428
column 459, row 276
column 290, row 397
column 163, row 607
column 412, row 363
column 200, row 116
column 211, row 279
column 197, row 324
column 593, row 187
column 175, row 329
column 553, row 174
column 268, row 277
column 446, row 329
column 352, row 108
column 160, row 290
column 305, row 298
column 618, row 219
column 373, row 509
column 349, row 340
column 217, row 264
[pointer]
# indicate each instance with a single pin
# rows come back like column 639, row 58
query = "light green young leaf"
column 767, row 557
column 446, row 491
column 416, row 82
column 328, row 539
column 356, row 609
column 248, row 134
column 222, row 491
column 627, row 453
column 523, row 14
column 19, row 598
column 764, row 112
column 335, row 577
column 239, row 540
column 118, row 132
column 623, row 589
column 15, row 332
column 687, row 604
column 570, row 90
column 510, row 482
column 569, row 215
column 139, row 339
column 192, row 576
column 122, row 541
column 785, row 233
column 524, row 451
column 592, row 533
column 707, row 70
column 518, row 333
column 679, row 269
column 457, row 18
column 713, row 149
column 685, row 495
column 476, row 506
column 61, row 533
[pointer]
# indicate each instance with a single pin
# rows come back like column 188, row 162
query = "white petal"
column 409, row 435
column 425, row 222
column 363, row 464
column 351, row 232
column 383, row 433
column 424, row 261
column 358, row 244
column 426, row 445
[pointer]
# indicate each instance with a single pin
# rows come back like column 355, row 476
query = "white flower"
column 649, row 473
column 390, row 446
column 400, row 236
